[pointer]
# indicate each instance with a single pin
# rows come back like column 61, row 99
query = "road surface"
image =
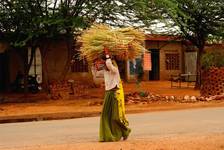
column 143, row 125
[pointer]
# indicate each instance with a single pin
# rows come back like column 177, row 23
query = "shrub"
column 212, row 59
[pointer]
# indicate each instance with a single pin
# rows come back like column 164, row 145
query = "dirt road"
column 167, row 130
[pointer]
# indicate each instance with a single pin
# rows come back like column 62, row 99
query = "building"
column 169, row 55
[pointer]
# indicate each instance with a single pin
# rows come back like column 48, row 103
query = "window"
column 172, row 61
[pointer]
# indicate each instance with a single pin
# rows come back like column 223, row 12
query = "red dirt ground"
column 80, row 105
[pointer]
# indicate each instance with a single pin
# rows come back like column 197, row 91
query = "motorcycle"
column 32, row 84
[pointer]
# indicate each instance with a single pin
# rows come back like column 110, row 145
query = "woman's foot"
column 127, row 134
column 125, row 138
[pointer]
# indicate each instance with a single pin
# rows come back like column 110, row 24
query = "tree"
column 140, row 13
column 25, row 23
column 18, row 27
column 198, row 21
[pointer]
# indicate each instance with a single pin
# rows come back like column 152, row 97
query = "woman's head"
column 99, row 63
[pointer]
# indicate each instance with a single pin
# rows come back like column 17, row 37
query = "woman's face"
column 99, row 64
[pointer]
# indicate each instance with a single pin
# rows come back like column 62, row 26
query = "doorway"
column 3, row 73
column 154, row 74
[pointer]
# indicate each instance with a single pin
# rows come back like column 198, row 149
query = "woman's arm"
column 110, row 66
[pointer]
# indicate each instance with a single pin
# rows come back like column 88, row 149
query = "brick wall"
column 212, row 82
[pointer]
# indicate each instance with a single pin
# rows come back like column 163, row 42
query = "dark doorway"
column 154, row 74
column 3, row 76
column 121, row 66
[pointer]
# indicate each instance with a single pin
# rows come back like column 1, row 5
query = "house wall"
column 10, row 64
column 58, row 54
column 56, row 57
column 174, row 47
column 16, row 64
column 165, row 47
column 55, row 60
column 218, row 47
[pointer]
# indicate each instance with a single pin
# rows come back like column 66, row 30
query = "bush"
column 212, row 59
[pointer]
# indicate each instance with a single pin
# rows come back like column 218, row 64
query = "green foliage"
column 196, row 19
column 143, row 94
column 141, row 13
column 198, row 22
column 212, row 59
column 25, row 22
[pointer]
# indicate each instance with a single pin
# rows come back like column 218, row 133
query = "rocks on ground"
column 147, row 97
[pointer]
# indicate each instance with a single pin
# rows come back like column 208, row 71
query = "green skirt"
column 111, row 126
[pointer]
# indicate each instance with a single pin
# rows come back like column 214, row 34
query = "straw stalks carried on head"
column 128, row 41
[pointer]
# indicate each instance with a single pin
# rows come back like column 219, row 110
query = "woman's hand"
column 106, row 51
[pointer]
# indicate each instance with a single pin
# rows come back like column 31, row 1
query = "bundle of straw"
column 127, row 41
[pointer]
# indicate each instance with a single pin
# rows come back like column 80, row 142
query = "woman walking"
column 127, row 41
column 113, row 124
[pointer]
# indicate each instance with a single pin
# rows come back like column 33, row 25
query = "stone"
column 167, row 97
column 193, row 98
column 172, row 97
column 186, row 97
column 202, row 98
column 148, row 97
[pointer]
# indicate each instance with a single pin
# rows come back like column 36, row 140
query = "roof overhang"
column 156, row 37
